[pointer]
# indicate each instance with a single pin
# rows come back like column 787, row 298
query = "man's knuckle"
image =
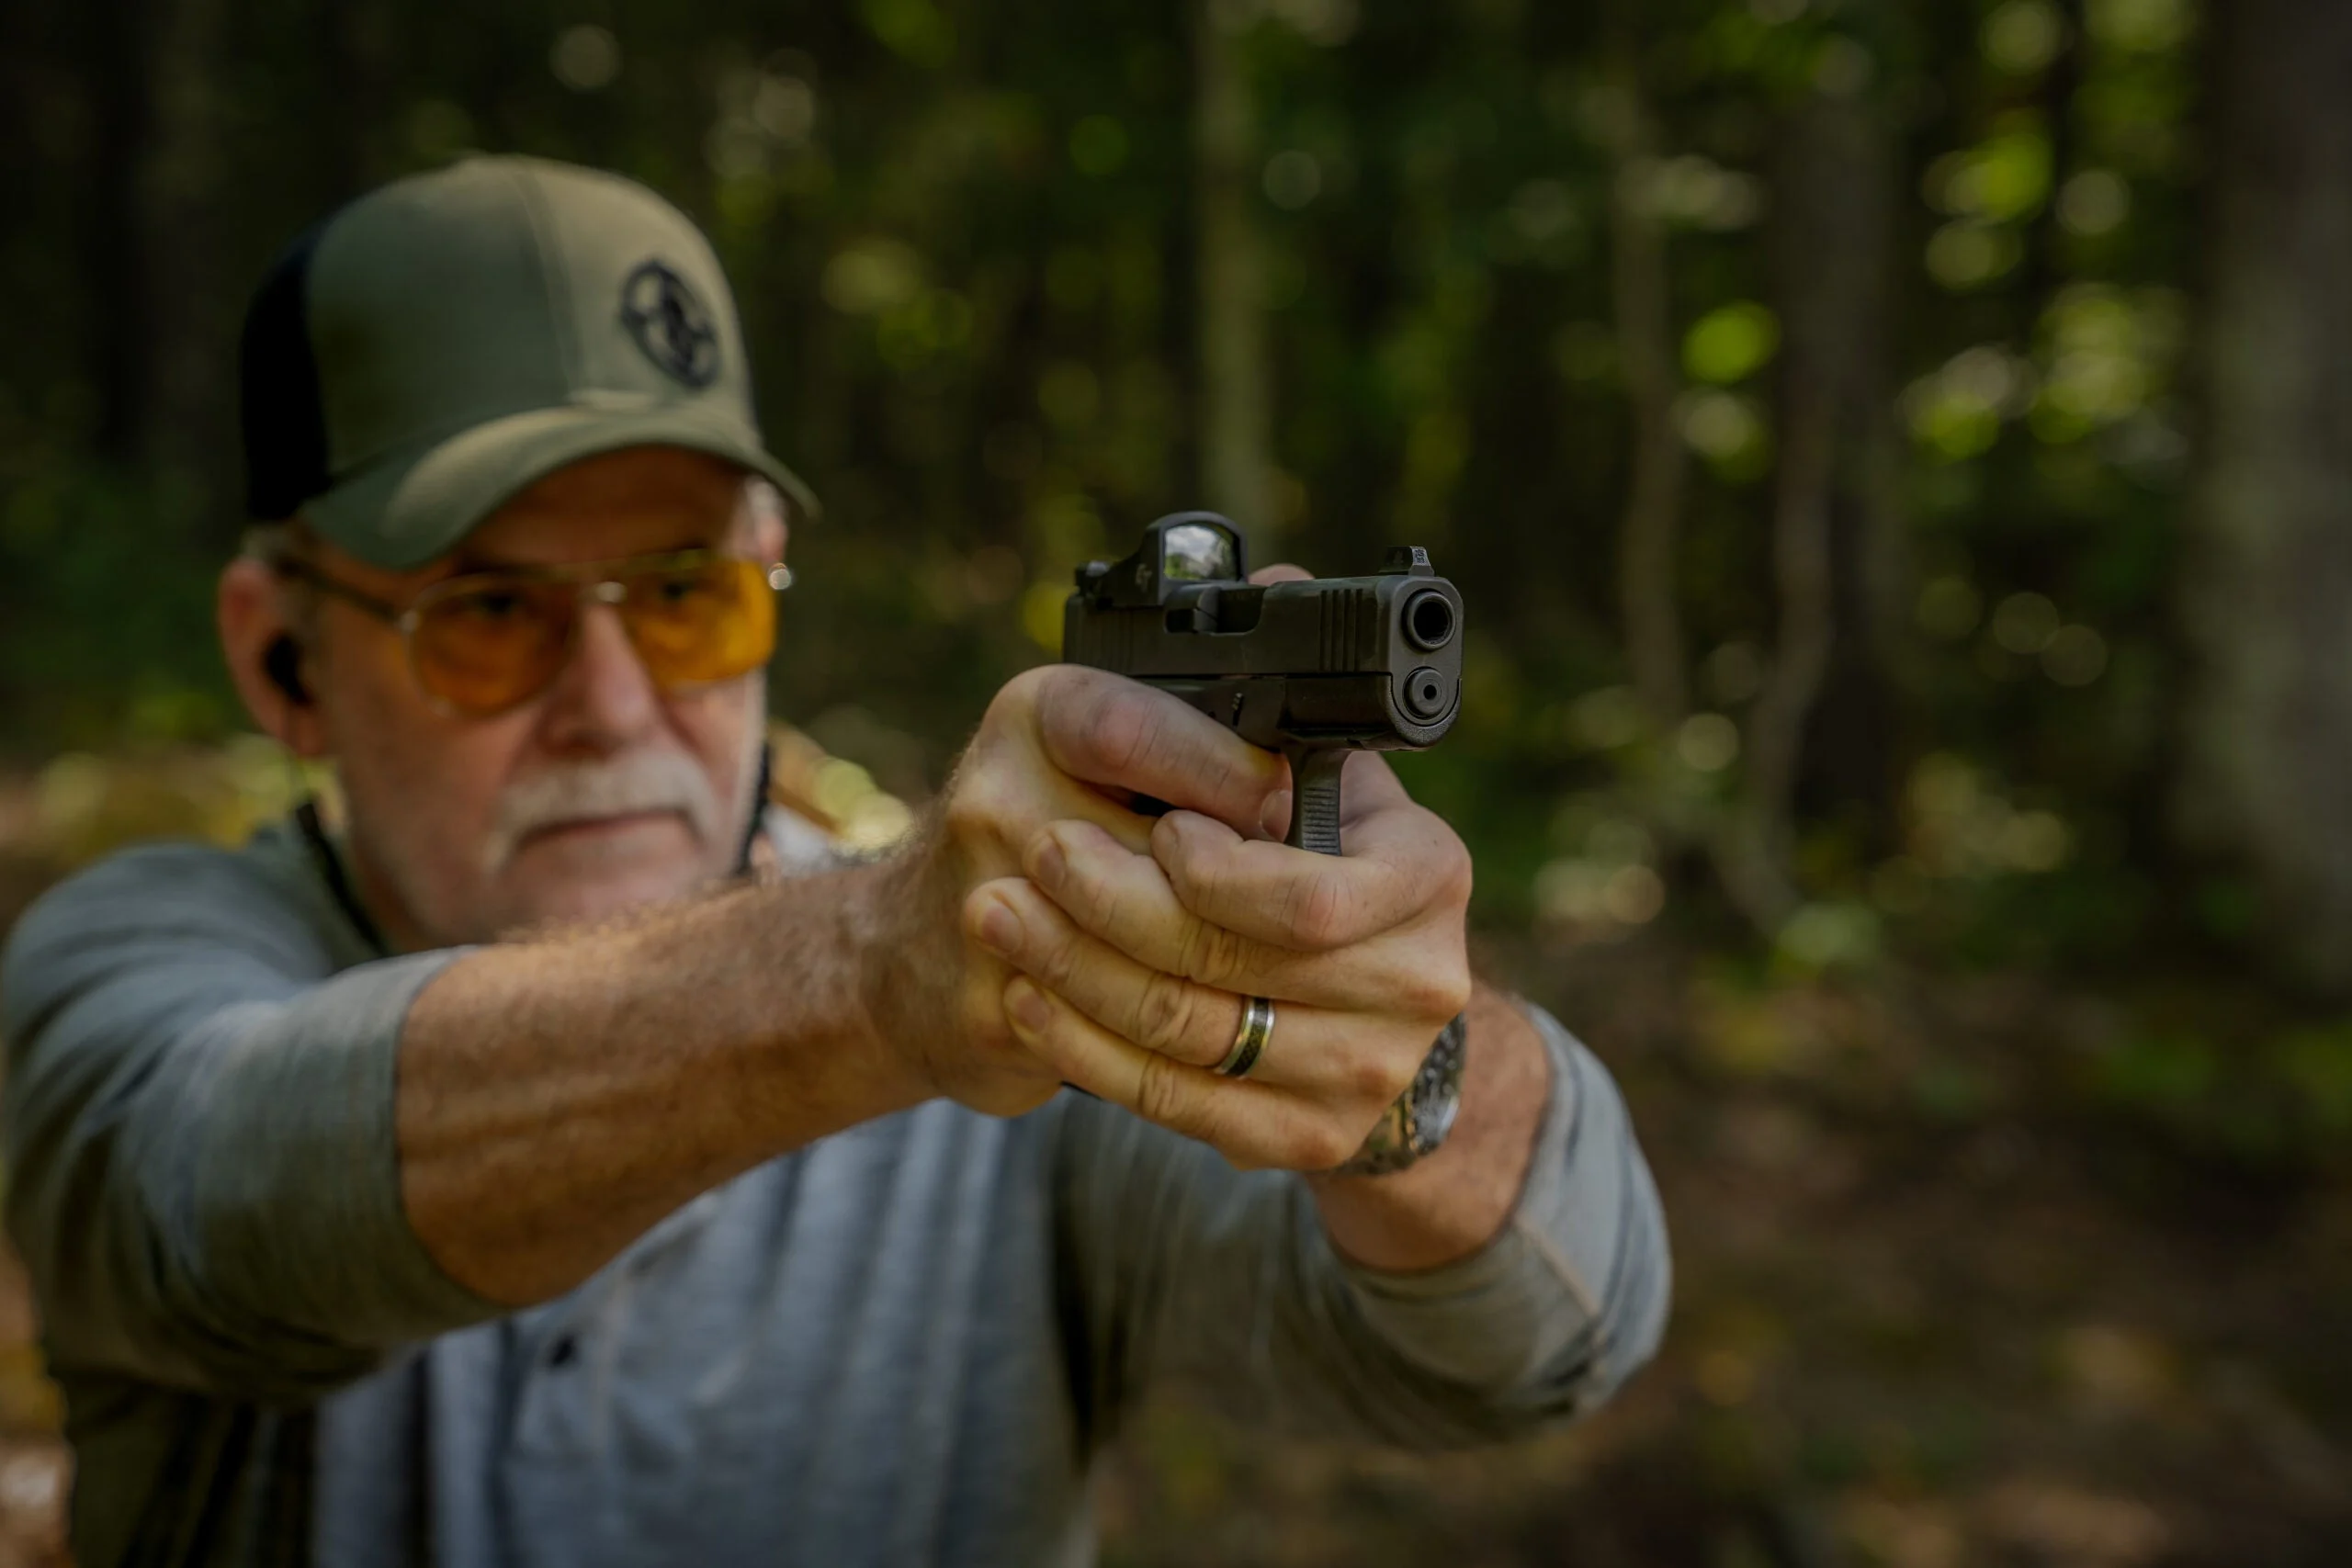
column 1165, row 1011
column 1191, row 954
column 1021, row 702
column 1455, row 874
column 1230, row 952
column 1435, row 990
column 1320, row 915
column 1092, row 901
column 981, row 807
column 1057, row 962
column 987, row 1030
column 1459, row 988
column 967, row 809
column 1026, row 689
column 1372, row 1079
column 1321, row 1143
column 1194, row 879
column 1163, row 1096
column 1213, row 955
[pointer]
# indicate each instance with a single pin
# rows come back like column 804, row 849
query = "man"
column 719, row 1218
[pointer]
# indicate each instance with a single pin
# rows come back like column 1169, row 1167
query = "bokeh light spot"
column 1964, row 255
column 872, row 275
column 1326, row 22
column 2025, row 623
column 1707, row 742
column 2094, row 203
column 1731, row 342
column 1292, row 180
column 585, row 58
column 1604, row 719
column 1727, row 430
column 1633, row 895
column 2075, row 656
column 2023, row 36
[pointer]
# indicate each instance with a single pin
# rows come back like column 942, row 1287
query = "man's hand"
column 1059, row 745
column 1136, row 959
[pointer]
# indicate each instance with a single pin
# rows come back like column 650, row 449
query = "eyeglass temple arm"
column 302, row 570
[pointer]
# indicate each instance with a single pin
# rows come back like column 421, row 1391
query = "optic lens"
column 1197, row 552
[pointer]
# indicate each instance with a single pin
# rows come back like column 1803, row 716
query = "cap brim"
column 403, row 510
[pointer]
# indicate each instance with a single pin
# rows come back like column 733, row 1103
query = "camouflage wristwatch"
column 1417, row 1121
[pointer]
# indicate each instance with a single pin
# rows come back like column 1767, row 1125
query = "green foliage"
column 1978, row 1172
column 964, row 236
column 2277, row 1101
column 1730, row 343
column 2315, row 1066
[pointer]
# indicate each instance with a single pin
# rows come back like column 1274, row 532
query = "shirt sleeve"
column 198, row 1124
column 1185, row 1268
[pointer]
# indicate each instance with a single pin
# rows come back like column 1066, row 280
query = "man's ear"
column 250, row 607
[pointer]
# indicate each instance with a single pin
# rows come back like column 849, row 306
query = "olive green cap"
column 446, row 339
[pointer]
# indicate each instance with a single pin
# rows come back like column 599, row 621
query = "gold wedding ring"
column 1249, row 1042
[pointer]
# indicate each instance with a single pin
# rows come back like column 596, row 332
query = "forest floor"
column 1944, row 1296
column 1938, row 1303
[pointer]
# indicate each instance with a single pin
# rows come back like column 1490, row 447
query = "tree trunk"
column 149, row 244
column 195, row 306
column 1650, row 534
column 1236, row 411
column 2044, row 267
column 1829, row 256
column 114, row 243
column 353, row 46
column 2267, row 586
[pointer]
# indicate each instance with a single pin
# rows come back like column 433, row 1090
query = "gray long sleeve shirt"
column 900, row 1345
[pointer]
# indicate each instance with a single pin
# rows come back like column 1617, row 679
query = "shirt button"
column 564, row 1351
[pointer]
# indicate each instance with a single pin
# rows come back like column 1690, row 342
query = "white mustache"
column 573, row 792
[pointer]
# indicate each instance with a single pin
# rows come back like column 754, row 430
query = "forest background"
column 1896, row 454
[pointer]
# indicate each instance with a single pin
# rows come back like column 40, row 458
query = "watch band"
column 1417, row 1121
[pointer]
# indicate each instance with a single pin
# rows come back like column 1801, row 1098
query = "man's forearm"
column 1450, row 1203
column 558, row 1097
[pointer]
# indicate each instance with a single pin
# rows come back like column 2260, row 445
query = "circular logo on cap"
column 671, row 324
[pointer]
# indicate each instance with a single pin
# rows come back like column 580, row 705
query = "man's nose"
column 603, row 699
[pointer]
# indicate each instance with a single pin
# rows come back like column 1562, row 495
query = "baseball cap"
column 447, row 339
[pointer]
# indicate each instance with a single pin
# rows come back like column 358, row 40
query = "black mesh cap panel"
column 284, row 421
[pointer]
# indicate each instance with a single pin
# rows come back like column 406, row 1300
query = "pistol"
column 1313, row 670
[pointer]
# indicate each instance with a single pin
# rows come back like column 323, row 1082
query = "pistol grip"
column 1314, row 798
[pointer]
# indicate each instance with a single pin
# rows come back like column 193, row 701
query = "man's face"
column 602, row 792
